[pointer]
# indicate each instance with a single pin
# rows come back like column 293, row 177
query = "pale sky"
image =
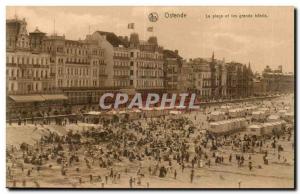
column 262, row 41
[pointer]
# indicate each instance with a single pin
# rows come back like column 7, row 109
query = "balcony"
column 121, row 58
column 121, row 67
column 12, row 78
column 121, row 76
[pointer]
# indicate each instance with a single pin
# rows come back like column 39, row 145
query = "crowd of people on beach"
column 164, row 147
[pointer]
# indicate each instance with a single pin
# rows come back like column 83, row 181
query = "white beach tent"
column 217, row 116
column 273, row 118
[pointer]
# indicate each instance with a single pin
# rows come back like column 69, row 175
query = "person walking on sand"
column 130, row 182
column 175, row 174
column 192, row 175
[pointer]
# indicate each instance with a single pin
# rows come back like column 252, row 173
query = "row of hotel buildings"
column 46, row 69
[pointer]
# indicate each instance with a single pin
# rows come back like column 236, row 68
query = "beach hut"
column 254, row 130
column 225, row 108
column 273, row 127
column 227, row 126
column 217, row 116
column 92, row 117
column 265, row 110
column 282, row 113
column 238, row 112
column 250, row 109
column 258, row 116
column 273, row 118
column 289, row 117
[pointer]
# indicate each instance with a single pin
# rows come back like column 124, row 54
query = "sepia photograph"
column 150, row 97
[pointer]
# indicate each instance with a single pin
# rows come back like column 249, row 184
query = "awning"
column 27, row 98
column 54, row 97
column 128, row 91
column 37, row 98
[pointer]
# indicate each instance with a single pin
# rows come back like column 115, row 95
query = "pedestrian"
column 250, row 166
column 192, row 175
column 130, row 182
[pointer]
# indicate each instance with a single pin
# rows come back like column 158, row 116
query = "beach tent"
column 175, row 112
column 227, row 126
column 238, row 112
column 273, row 118
column 254, row 129
column 281, row 113
column 289, row 117
column 225, row 108
column 265, row 110
column 258, row 115
column 217, row 116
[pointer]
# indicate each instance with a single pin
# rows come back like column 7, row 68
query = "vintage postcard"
column 150, row 97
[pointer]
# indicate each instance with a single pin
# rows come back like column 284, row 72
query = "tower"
column 16, row 34
column 134, row 40
column 36, row 40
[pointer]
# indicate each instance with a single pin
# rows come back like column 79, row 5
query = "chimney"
column 176, row 51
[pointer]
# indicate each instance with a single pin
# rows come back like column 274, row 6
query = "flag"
column 131, row 26
column 150, row 29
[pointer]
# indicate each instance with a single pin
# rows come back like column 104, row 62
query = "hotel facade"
column 51, row 69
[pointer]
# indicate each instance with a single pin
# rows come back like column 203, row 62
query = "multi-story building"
column 259, row 85
column 146, row 64
column 135, row 64
column 28, row 65
column 172, row 69
column 29, row 82
column 185, row 78
column 209, row 77
column 277, row 81
column 201, row 77
column 215, row 79
column 116, row 56
column 38, row 64
column 239, row 80
column 218, row 78
column 231, row 80
column 84, row 69
column 76, row 64
column 79, row 68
